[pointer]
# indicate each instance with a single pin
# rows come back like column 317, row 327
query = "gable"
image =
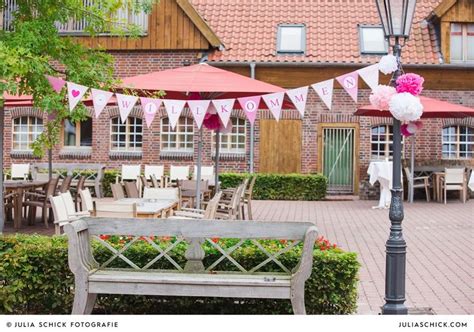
column 455, row 11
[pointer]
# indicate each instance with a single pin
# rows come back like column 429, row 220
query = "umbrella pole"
column 218, row 143
column 198, row 171
column 412, row 168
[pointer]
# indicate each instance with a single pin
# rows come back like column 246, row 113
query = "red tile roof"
column 248, row 29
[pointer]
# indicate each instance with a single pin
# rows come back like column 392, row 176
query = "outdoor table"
column 19, row 187
column 381, row 171
column 151, row 208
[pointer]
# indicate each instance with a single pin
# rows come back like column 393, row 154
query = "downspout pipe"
column 252, row 130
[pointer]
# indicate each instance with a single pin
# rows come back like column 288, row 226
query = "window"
column 25, row 131
column 458, row 142
column 462, row 42
column 126, row 136
column 78, row 134
column 233, row 142
column 381, row 142
column 372, row 40
column 180, row 139
column 291, row 38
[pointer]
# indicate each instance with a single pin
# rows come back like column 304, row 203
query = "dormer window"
column 462, row 42
column 291, row 38
column 372, row 40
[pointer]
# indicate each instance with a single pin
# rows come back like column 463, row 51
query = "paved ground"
column 440, row 272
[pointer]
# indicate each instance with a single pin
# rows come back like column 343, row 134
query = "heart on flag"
column 224, row 109
column 274, row 102
column 324, row 90
column 199, row 109
column 75, row 92
column 250, row 107
column 56, row 83
column 370, row 75
column 174, row 108
column 125, row 105
column 350, row 83
column 298, row 97
column 100, row 98
column 150, row 107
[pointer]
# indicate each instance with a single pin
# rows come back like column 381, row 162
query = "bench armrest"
column 303, row 270
column 80, row 256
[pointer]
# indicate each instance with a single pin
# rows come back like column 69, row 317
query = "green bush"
column 35, row 279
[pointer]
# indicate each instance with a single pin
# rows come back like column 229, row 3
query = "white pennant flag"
column 224, row 109
column 199, row 109
column 174, row 108
column 150, row 107
column 100, row 99
column 274, row 102
column 298, row 97
column 370, row 75
column 324, row 90
column 125, row 105
column 75, row 92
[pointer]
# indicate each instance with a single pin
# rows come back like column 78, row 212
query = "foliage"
column 35, row 279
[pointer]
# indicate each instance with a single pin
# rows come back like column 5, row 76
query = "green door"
column 338, row 159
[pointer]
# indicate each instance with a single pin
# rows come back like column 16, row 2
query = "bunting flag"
column 224, row 109
column 125, row 105
column 199, row 109
column 370, row 75
column 56, row 83
column 150, row 107
column 75, row 92
column 298, row 97
column 274, row 102
column 350, row 83
column 324, row 91
column 174, row 108
column 250, row 107
column 100, row 98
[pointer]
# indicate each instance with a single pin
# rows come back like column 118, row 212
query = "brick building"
column 290, row 44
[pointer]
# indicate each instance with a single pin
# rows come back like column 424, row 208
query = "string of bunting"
column 200, row 109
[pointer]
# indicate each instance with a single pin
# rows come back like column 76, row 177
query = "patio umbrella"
column 209, row 83
column 432, row 108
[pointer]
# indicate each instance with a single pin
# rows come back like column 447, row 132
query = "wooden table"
column 151, row 208
column 18, row 188
column 437, row 186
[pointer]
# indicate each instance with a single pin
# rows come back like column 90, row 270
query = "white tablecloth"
column 382, row 171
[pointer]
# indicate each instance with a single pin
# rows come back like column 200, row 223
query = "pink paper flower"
column 411, row 83
column 381, row 95
column 211, row 121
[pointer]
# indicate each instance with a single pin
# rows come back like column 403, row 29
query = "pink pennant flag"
column 150, row 107
column 199, row 109
column 125, row 105
column 100, row 99
column 250, row 106
column 298, row 97
column 174, row 109
column 274, row 102
column 350, row 83
column 75, row 92
column 370, row 75
column 56, row 83
column 324, row 90
column 224, row 109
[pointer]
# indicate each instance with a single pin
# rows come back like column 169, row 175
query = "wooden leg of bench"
column 297, row 300
column 83, row 302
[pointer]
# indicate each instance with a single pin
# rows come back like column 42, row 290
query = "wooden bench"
column 194, row 279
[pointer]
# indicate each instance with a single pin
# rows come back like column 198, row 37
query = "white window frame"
column 464, row 35
column 362, row 42
column 33, row 125
column 226, row 147
column 388, row 141
column 132, row 131
column 456, row 141
column 280, row 50
column 166, row 133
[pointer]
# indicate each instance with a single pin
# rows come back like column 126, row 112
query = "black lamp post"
column 396, row 17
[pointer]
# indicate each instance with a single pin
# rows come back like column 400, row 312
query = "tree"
column 32, row 48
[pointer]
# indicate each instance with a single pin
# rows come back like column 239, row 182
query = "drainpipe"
column 252, row 131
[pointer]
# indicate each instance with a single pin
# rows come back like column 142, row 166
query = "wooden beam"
column 443, row 7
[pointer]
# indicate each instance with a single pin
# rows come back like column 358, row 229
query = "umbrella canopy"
column 432, row 108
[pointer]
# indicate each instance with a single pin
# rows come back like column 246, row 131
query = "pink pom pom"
column 404, row 130
column 381, row 95
column 411, row 83
column 211, row 121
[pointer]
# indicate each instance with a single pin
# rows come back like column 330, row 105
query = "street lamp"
column 396, row 17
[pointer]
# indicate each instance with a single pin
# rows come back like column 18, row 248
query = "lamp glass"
column 396, row 16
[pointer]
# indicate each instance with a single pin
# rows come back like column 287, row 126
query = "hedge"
column 35, row 279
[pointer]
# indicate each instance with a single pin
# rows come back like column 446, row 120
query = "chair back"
column 179, row 172
column 187, row 184
column 144, row 181
column 51, row 187
column 20, row 171
column 117, row 191
column 81, row 183
column 454, row 175
column 155, row 170
column 59, row 209
column 211, row 209
column 86, row 199
column 68, row 203
column 131, row 189
column 408, row 174
column 161, row 193
column 249, row 191
column 207, row 173
column 154, row 181
column 130, row 172
column 65, row 184
column 114, row 210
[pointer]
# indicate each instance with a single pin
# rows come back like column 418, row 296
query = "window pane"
column 291, row 39
column 69, row 133
column 373, row 40
column 86, row 132
column 470, row 42
column 456, row 42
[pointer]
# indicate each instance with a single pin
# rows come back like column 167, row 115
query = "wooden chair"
column 117, row 191
column 144, row 182
column 248, row 198
column 70, row 206
column 114, row 210
column 61, row 217
column 161, row 193
column 229, row 208
column 154, row 181
column 129, row 173
column 65, row 184
column 87, row 201
column 35, row 200
column 131, row 189
column 418, row 182
column 208, row 213
column 454, row 180
column 154, row 170
column 8, row 204
column 207, row 173
column 20, row 171
column 80, row 186
column 179, row 173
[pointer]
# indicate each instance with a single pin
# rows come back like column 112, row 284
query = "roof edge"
column 443, row 8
